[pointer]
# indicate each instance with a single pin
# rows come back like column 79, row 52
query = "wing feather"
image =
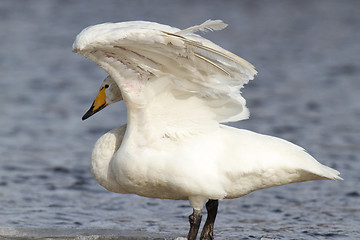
column 212, row 63
column 209, row 25
column 170, row 62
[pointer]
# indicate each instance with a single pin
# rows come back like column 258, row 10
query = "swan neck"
column 139, row 124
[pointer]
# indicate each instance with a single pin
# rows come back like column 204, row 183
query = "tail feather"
column 332, row 174
column 319, row 172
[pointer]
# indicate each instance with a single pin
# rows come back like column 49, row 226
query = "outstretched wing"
column 171, row 64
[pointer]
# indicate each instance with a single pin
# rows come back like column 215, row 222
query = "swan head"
column 109, row 93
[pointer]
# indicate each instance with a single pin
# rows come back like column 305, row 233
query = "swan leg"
column 208, row 230
column 195, row 220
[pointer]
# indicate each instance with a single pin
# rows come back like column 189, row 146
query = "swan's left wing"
column 178, row 63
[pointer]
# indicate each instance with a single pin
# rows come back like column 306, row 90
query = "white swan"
column 178, row 88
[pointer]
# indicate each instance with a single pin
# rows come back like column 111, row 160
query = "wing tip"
column 208, row 25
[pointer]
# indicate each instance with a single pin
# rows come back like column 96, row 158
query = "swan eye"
column 106, row 86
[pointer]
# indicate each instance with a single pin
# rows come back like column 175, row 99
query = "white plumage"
column 178, row 88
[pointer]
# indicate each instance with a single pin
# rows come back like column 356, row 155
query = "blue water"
column 307, row 54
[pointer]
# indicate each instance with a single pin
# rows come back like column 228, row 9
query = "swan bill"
column 98, row 104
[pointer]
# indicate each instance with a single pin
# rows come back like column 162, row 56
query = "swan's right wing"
column 172, row 65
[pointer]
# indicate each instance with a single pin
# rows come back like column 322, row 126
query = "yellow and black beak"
column 98, row 104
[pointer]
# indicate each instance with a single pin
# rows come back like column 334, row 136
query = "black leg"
column 208, row 230
column 195, row 220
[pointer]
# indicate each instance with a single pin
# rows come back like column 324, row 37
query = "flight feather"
column 209, row 25
column 172, row 63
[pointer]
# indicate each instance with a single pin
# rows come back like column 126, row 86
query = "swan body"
column 179, row 88
column 232, row 163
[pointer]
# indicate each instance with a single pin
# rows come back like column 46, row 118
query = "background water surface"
column 307, row 91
